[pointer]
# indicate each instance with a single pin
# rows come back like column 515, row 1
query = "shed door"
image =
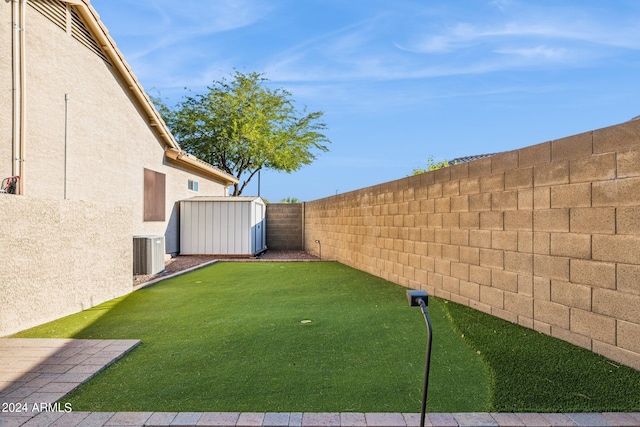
column 258, row 229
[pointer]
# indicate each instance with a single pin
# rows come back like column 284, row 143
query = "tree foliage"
column 241, row 126
column 431, row 166
column 290, row 200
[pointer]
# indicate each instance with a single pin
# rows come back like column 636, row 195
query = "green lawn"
column 231, row 337
column 533, row 372
column 325, row 337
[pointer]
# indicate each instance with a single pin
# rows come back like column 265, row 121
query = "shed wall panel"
column 222, row 227
column 208, row 229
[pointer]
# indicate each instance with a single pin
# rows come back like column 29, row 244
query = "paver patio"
column 35, row 373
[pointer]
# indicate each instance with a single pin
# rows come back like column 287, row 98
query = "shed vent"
column 148, row 254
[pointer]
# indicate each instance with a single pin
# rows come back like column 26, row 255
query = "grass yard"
column 533, row 372
column 232, row 337
column 324, row 337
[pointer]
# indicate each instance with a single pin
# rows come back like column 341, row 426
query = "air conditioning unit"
column 148, row 254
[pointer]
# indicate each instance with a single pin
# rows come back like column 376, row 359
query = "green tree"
column 431, row 166
column 290, row 200
column 241, row 126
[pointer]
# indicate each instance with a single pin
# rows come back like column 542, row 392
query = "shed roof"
column 223, row 199
column 91, row 19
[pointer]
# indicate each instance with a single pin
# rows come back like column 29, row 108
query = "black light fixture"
column 421, row 298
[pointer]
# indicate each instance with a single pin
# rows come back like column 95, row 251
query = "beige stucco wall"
column 60, row 257
column 108, row 142
column 547, row 236
column 64, row 254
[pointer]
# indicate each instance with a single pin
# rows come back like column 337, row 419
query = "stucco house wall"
column 89, row 133
column 72, row 256
column 108, row 140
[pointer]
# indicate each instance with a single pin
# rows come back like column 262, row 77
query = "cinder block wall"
column 547, row 236
column 60, row 257
column 284, row 226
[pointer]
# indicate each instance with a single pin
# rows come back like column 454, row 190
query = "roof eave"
column 205, row 168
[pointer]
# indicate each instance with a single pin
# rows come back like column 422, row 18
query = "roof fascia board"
column 192, row 161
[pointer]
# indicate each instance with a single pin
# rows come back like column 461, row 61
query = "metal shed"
column 222, row 226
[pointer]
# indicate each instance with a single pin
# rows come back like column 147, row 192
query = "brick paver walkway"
column 35, row 373
column 299, row 419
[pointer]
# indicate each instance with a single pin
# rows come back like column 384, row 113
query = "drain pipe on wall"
column 23, row 95
column 15, row 84
column 66, row 138
column 18, row 89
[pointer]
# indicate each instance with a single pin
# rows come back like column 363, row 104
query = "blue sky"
column 399, row 80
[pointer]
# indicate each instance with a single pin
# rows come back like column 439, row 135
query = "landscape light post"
column 259, row 170
column 421, row 298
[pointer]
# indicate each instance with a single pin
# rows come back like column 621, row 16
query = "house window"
column 154, row 196
column 192, row 185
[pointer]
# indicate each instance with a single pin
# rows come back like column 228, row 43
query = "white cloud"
column 392, row 46
column 190, row 44
column 160, row 24
column 465, row 36
column 501, row 4
column 537, row 52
